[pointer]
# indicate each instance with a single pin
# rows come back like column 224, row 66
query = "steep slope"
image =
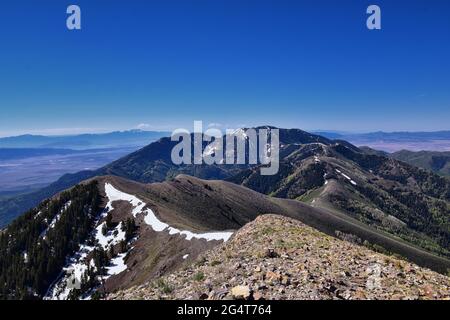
column 390, row 195
column 438, row 162
column 144, row 232
column 33, row 249
column 153, row 163
column 111, row 233
column 190, row 203
column 149, row 164
column 280, row 258
column 12, row 207
column 394, row 197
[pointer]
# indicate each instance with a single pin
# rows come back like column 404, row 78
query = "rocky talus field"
column 275, row 257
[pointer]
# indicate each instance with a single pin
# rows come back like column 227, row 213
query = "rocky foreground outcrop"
column 275, row 257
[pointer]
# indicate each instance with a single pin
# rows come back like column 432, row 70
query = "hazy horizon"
column 296, row 64
column 75, row 132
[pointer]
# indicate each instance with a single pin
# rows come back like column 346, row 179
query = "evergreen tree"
column 46, row 248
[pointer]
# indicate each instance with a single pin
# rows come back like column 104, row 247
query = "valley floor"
column 30, row 173
column 275, row 257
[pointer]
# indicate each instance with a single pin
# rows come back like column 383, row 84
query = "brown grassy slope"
column 200, row 205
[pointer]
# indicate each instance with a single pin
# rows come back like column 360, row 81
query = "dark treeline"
column 32, row 253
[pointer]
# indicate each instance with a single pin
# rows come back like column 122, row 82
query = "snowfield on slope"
column 346, row 177
column 150, row 218
column 77, row 264
column 111, row 238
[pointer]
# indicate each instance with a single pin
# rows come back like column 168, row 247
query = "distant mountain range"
column 150, row 164
column 378, row 190
column 31, row 162
column 395, row 141
column 132, row 138
column 395, row 136
column 110, row 233
column 117, row 139
column 109, row 228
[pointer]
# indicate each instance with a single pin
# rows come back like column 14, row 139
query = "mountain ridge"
column 389, row 195
column 278, row 258
column 143, row 231
column 151, row 163
column 438, row 162
column 83, row 141
column 380, row 191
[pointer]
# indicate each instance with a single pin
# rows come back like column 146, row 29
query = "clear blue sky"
column 306, row 64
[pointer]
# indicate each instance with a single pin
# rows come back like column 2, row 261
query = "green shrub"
column 199, row 276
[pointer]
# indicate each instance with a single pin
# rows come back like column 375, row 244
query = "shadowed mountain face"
column 109, row 233
column 438, row 162
column 150, row 164
column 390, row 195
column 387, row 194
column 153, row 163
column 435, row 161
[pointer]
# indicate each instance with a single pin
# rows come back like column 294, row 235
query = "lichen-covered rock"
column 241, row 292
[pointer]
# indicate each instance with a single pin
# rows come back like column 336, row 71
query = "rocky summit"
column 275, row 257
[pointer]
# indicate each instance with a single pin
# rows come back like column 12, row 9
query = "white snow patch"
column 346, row 177
column 208, row 236
column 240, row 133
column 54, row 221
column 74, row 270
column 58, row 216
column 77, row 264
column 78, row 270
column 156, row 224
column 210, row 149
column 117, row 265
column 325, row 177
column 112, row 238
